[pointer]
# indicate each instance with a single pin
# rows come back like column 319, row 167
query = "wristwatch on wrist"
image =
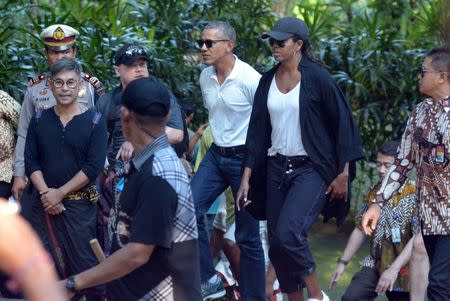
column 379, row 201
column 380, row 204
column 340, row 260
column 71, row 284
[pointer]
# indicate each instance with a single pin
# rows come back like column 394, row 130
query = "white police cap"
column 59, row 37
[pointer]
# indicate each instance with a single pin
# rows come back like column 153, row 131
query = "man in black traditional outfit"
column 64, row 153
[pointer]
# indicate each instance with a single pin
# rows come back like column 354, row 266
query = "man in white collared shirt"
column 228, row 87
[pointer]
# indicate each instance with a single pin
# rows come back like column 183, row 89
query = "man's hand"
column 340, row 269
column 202, row 129
column 18, row 187
column 339, row 187
column 386, row 281
column 370, row 219
column 125, row 152
column 57, row 209
column 51, row 198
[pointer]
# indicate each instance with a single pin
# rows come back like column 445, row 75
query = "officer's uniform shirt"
column 38, row 96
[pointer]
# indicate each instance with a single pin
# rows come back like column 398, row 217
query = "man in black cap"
column 154, row 248
column 130, row 64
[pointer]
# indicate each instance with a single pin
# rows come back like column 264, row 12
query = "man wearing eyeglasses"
column 228, row 87
column 130, row 64
column 425, row 146
column 59, row 41
column 64, row 154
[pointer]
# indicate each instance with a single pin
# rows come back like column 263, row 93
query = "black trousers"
column 5, row 189
column 438, row 249
column 295, row 199
column 362, row 288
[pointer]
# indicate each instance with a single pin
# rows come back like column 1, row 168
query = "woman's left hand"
column 339, row 187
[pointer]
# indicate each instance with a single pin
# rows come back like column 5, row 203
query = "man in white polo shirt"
column 228, row 87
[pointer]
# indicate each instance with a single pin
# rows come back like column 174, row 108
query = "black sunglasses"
column 135, row 51
column 425, row 71
column 280, row 43
column 209, row 43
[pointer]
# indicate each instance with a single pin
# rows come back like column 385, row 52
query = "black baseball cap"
column 147, row 96
column 128, row 54
column 286, row 28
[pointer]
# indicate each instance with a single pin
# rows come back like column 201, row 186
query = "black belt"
column 229, row 151
column 292, row 162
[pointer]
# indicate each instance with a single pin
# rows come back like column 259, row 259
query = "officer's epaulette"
column 36, row 80
column 98, row 86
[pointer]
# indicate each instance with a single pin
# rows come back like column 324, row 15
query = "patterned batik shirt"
column 427, row 130
column 9, row 116
column 399, row 212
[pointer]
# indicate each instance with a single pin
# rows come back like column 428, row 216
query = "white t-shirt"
column 284, row 114
column 230, row 104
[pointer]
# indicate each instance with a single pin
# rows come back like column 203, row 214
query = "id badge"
column 439, row 154
column 120, row 185
column 395, row 235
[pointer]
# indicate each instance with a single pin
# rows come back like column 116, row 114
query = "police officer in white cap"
column 59, row 42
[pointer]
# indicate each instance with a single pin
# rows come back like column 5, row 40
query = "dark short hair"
column 65, row 64
column 224, row 28
column 188, row 107
column 389, row 148
column 440, row 58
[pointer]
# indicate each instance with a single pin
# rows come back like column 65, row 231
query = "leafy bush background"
column 373, row 48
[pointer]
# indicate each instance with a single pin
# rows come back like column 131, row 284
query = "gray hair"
column 224, row 28
column 65, row 64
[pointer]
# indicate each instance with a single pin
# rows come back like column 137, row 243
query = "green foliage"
column 166, row 29
column 373, row 48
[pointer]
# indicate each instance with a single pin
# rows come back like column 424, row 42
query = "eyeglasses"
column 132, row 51
column 425, row 71
column 280, row 43
column 59, row 83
column 209, row 43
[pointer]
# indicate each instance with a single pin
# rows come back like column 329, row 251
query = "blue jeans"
column 215, row 174
column 438, row 249
column 295, row 199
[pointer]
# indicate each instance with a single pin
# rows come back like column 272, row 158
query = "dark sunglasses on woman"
column 280, row 43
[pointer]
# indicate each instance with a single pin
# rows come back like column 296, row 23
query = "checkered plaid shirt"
column 167, row 165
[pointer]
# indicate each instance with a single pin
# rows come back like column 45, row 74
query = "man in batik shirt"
column 425, row 146
column 385, row 270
